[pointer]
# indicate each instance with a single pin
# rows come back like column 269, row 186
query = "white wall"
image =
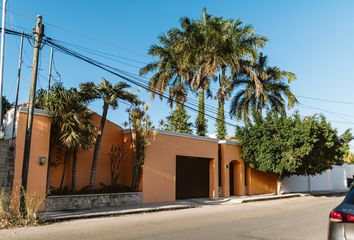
column 8, row 123
column 330, row 180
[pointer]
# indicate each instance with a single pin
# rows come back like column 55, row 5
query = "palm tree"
column 233, row 43
column 168, row 76
column 71, row 126
column 54, row 103
column 261, row 87
column 76, row 130
column 109, row 94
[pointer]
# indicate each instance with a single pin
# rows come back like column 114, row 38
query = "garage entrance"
column 192, row 177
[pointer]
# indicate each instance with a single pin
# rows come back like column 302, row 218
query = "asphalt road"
column 296, row 218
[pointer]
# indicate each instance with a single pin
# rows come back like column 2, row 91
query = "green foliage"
column 6, row 105
column 72, row 126
column 178, row 121
column 201, row 122
column 192, row 55
column 110, row 95
column 142, row 131
column 220, row 122
column 291, row 145
column 261, row 87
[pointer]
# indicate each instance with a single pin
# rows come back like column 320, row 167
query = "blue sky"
column 313, row 39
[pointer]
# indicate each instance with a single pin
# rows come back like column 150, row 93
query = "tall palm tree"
column 77, row 129
column 109, row 94
column 261, row 87
column 167, row 75
column 71, row 126
column 233, row 43
column 54, row 103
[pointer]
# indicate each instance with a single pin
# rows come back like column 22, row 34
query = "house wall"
column 260, row 182
column 232, row 153
column 334, row 179
column 39, row 148
column 159, row 171
column 112, row 136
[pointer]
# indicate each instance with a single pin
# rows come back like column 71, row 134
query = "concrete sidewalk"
column 156, row 207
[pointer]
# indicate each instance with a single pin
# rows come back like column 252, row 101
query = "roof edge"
column 37, row 111
column 229, row 142
column 183, row 135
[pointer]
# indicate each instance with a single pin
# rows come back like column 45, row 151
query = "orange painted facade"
column 231, row 154
column 260, row 182
column 159, row 172
column 158, row 182
column 37, row 174
column 112, row 136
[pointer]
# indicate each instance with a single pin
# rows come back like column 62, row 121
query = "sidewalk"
column 54, row 216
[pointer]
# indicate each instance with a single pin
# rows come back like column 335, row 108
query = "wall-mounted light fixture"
column 42, row 161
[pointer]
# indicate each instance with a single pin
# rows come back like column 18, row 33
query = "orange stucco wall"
column 261, row 182
column 112, row 136
column 159, row 172
column 37, row 175
column 231, row 153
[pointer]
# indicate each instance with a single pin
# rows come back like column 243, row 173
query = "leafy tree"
column 201, row 122
column 178, row 121
column 261, row 87
column 54, row 103
column 6, row 105
column 292, row 145
column 110, row 95
column 76, row 130
column 230, row 42
column 142, row 131
column 71, row 128
column 349, row 158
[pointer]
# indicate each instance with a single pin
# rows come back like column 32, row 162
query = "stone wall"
column 7, row 156
column 75, row 202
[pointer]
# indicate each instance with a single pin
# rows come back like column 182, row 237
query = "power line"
column 111, row 70
column 327, row 100
column 327, row 111
column 141, row 83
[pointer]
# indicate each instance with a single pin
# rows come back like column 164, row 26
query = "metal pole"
column 50, row 68
column 38, row 34
column 2, row 49
column 18, row 86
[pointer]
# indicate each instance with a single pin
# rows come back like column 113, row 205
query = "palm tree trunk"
column 66, row 156
column 201, row 122
column 221, row 129
column 97, row 147
column 74, row 170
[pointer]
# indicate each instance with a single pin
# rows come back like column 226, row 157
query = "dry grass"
column 10, row 215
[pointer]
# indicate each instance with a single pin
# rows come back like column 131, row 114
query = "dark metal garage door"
column 192, row 177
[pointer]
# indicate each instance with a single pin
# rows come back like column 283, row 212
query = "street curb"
column 165, row 208
column 271, row 198
column 115, row 213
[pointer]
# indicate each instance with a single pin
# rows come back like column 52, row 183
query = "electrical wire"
column 138, row 80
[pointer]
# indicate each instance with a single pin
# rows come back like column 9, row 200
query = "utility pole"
column 38, row 34
column 18, row 86
column 50, row 68
column 2, row 49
